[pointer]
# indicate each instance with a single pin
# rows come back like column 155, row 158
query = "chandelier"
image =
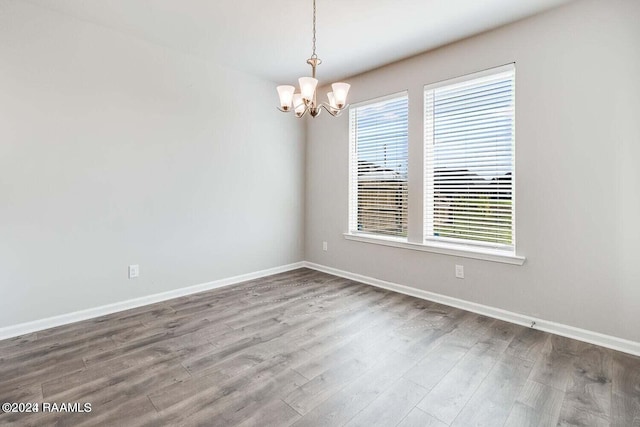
column 305, row 101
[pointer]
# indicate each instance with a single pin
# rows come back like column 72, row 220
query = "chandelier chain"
column 314, row 30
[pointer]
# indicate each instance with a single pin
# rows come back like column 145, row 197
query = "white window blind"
column 469, row 143
column 379, row 148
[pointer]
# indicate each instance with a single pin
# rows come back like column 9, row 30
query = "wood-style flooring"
column 305, row 348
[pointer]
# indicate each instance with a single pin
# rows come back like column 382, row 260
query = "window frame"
column 353, row 168
column 428, row 199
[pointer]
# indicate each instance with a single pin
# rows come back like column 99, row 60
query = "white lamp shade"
column 307, row 87
column 298, row 104
column 286, row 96
column 340, row 91
column 332, row 100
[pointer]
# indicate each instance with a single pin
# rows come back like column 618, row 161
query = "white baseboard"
column 597, row 338
column 64, row 319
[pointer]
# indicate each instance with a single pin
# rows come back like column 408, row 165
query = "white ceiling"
column 273, row 38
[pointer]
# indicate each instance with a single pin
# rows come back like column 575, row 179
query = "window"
column 469, row 160
column 467, row 206
column 379, row 152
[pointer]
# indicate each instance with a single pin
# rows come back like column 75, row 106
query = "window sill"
column 441, row 248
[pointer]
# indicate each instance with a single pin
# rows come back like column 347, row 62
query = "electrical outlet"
column 459, row 271
column 325, row 247
column 134, row 271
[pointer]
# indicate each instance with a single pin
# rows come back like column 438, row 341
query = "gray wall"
column 115, row 151
column 578, row 180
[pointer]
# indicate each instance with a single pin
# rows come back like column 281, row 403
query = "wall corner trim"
column 77, row 316
column 614, row 343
